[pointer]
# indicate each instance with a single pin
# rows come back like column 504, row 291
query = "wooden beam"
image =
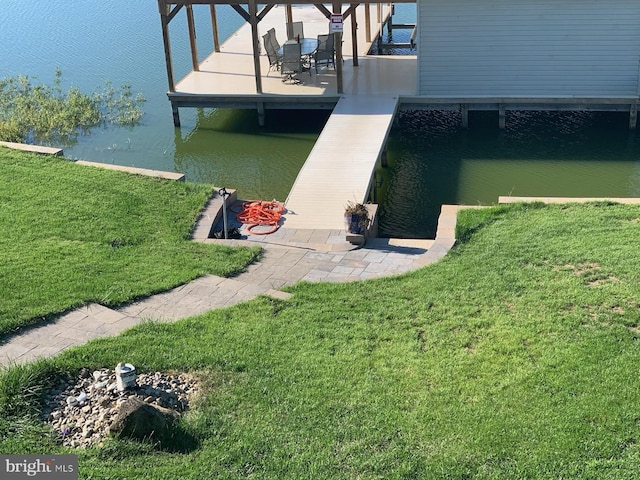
column 241, row 11
column 255, row 42
column 288, row 14
column 324, row 10
column 264, row 10
column 173, row 13
column 214, row 28
column 192, row 39
column 349, row 11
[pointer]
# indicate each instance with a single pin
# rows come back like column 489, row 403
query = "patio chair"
column 291, row 62
column 274, row 40
column 272, row 52
column 295, row 31
column 325, row 53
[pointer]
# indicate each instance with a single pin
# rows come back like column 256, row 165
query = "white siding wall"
column 529, row 48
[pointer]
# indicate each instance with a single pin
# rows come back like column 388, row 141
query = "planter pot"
column 352, row 224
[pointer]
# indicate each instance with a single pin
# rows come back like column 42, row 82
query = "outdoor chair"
column 291, row 62
column 273, row 39
column 295, row 31
column 270, row 41
column 325, row 53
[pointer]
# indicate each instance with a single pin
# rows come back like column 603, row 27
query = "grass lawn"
column 516, row 356
column 73, row 234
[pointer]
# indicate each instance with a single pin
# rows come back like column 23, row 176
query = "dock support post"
column 337, row 42
column 214, row 28
column 288, row 13
column 367, row 21
column 464, row 112
column 253, row 20
column 261, row 114
column 354, row 35
column 176, row 115
column 633, row 116
column 502, row 117
column 380, row 26
column 164, row 20
column 192, row 39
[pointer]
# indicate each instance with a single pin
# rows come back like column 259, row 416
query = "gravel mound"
column 81, row 410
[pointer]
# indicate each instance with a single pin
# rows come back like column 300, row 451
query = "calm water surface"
column 432, row 160
column 435, row 161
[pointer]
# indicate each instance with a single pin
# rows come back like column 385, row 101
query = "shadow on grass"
column 120, row 448
column 180, row 441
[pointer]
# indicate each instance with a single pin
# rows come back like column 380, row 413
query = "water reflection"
column 434, row 161
column 229, row 148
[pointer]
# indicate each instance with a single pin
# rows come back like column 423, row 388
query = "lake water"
column 432, row 159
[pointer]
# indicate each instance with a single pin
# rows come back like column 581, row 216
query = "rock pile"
column 82, row 410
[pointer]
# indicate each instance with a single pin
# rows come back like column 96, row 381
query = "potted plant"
column 356, row 217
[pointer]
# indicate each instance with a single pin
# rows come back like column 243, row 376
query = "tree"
column 38, row 113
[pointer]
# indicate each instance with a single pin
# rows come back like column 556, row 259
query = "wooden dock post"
column 367, row 22
column 502, row 117
column 192, row 39
column 354, row 35
column 253, row 20
column 214, row 28
column 384, row 159
column 464, row 112
column 633, row 116
column 261, row 113
column 176, row 115
column 164, row 20
column 337, row 42
column 288, row 13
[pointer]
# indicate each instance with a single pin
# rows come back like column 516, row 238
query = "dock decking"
column 341, row 164
column 227, row 78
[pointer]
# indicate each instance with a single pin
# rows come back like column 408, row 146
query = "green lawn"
column 514, row 357
column 73, row 234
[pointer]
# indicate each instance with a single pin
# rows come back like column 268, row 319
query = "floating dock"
column 342, row 162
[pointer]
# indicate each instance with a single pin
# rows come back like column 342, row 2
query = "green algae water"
column 432, row 160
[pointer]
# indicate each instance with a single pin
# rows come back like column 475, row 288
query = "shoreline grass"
column 515, row 356
column 74, row 234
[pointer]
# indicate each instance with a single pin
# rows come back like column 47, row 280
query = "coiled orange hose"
column 257, row 212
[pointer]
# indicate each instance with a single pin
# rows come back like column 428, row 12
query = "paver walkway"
column 289, row 256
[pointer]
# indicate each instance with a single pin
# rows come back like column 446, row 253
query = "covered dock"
column 236, row 74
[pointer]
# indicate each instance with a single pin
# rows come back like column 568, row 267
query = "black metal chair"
column 325, row 54
column 291, row 62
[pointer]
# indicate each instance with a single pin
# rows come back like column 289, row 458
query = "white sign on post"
column 335, row 25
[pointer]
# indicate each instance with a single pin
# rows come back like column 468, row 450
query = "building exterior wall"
column 528, row 48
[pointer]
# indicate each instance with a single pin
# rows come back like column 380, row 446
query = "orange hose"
column 257, row 213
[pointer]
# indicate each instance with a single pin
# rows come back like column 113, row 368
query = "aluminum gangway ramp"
column 342, row 162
